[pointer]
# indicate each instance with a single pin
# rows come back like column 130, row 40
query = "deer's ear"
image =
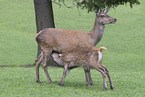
column 106, row 10
column 97, row 12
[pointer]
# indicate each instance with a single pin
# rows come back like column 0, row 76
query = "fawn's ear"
column 103, row 48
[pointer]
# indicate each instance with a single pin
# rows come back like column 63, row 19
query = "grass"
column 20, row 82
column 17, row 32
column 125, row 56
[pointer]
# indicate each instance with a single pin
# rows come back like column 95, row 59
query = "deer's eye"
column 102, row 15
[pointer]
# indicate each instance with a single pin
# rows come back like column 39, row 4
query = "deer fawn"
column 85, row 56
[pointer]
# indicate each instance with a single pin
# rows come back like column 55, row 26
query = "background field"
column 125, row 57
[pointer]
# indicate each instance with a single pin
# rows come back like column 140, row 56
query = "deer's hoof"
column 105, row 88
column 50, row 82
column 38, row 81
column 61, row 84
column 87, row 84
column 111, row 87
column 92, row 84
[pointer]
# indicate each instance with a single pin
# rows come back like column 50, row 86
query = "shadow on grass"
column 75, row 85
column 28, row 65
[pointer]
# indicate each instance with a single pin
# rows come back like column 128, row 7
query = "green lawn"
column 21, row 82
column 125, row 57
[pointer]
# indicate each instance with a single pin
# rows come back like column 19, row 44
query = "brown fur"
column 89, row 56
column 62, row 40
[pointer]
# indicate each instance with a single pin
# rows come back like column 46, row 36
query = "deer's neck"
column 97, row 32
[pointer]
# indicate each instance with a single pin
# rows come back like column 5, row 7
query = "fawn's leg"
column 104, row 78
column 102, row 71
column 108, row 75
column 65, row 72
column 88, row 76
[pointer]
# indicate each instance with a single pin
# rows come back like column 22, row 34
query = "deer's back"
column 79, row 56
column 62, row 39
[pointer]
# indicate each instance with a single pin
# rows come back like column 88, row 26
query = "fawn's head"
column 104, row 18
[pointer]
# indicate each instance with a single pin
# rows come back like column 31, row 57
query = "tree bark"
column 44, row 19
column 43, row 15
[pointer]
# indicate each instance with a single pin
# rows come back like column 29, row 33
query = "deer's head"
column 104, row 18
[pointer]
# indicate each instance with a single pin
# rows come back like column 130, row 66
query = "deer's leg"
column 47, row 75
column 38, row 61
column 46, row 56
column 104, row 78
column 88, row 76
column 102, row 71
column 40, row 55
column 108, row 75
column 65, row 72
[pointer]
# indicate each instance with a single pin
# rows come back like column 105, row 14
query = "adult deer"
column 61, row 40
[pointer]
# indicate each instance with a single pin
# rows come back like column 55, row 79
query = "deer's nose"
column 115, row 19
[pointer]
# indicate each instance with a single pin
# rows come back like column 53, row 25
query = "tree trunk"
column 44, row 18
column 44, row 15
